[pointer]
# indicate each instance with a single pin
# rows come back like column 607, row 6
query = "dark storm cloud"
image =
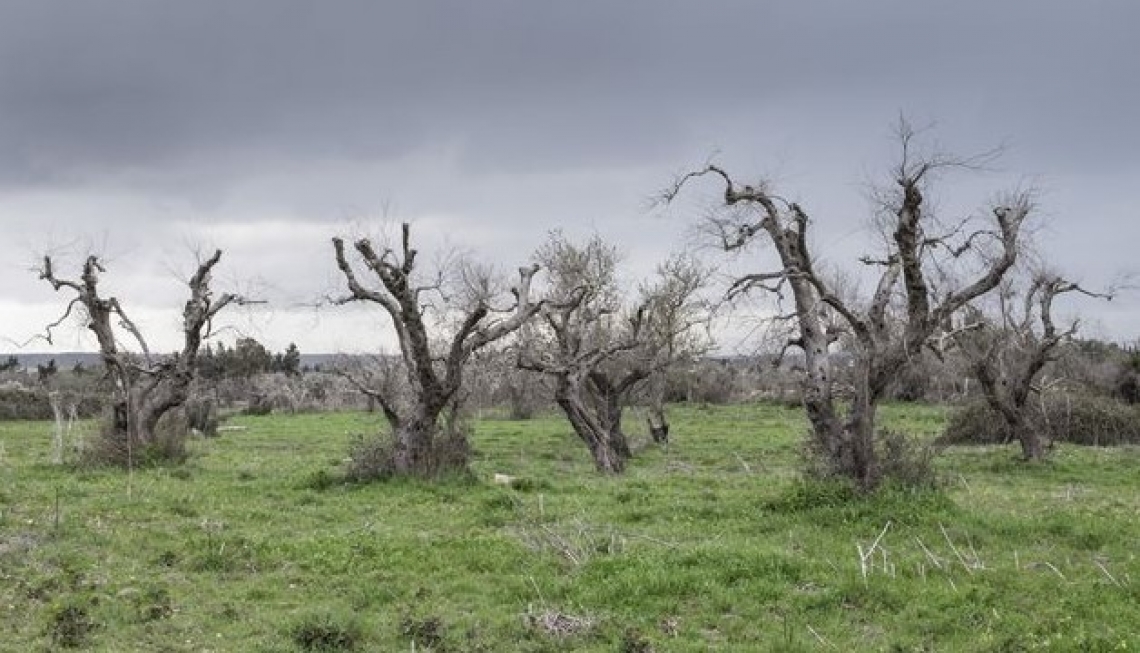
column 87, row 89
column 147, row 125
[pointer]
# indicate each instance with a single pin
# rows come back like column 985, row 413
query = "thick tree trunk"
column 607, row 444
column 848, row 444
column 1009, row 403
column 1022, row 429
column 860, row 460
column 413, row 446
column 1032, row 444
column 612, row 423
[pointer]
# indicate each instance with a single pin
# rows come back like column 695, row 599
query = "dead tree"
column 1008, row 352
column 890, row 329
column 432, row 364
column 145, row 386
column 597, row 348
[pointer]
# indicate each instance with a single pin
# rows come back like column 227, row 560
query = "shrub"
column 904, row 461
column 370, row 459
column 1072, row 418
column 110, row 447
column 24, row 403
column 259, row 404
column 202, row 415
column 373, row 458
column 18, row 402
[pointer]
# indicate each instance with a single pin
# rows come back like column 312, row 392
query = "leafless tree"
column 432, row 357
column 597, row 347
column 1007, row 352
column 913, row 299
column 145, row 386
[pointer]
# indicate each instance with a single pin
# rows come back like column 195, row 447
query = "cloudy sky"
column 147, row 131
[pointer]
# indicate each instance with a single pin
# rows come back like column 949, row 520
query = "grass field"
column 712, row 544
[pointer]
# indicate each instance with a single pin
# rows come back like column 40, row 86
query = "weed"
column 154, row 604
column 320, row 480
column 70, row 625
column 423, row 631
column 632, row 641
column 326, row 633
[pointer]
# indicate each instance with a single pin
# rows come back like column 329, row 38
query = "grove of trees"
column 949, row 299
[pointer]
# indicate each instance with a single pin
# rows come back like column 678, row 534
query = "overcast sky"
column 145, row 131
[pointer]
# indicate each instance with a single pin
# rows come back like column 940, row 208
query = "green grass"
column 711, row 544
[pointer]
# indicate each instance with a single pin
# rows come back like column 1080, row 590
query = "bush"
column 259, row 405
column 21, row 403
column 110, row 447
column 1072, row 418
column 24, row 403
column 906, row 461
column 202, row 415
column 373, row 458
column 903, row 461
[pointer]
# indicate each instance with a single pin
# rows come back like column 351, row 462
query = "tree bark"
column 601, row 431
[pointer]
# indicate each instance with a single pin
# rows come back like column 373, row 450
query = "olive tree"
column 1008, row 349
column 913, row 300
column 598, row 346
column 145, row 386
column 439, row 326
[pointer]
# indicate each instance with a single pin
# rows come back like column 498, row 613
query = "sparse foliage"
column 145, row 387
column 433, row 354
column 597, row 347
column 913, row 300
column 1007, row 353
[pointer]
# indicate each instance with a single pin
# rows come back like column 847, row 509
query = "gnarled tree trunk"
column 600, row 430
column 145, row 387
column 433, row 376
column 883, row 339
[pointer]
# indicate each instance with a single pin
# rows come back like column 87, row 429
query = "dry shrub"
column 373, row 458
column 202, row 415
column 903, row 461
column 370, row 459
column 110, row 446
column 906, row 461
column 1072, row 418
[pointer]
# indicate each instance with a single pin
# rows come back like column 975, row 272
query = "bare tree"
column 431, row 366
column 1008, row 352
column 892, row 328
column 145, row 386
column 597, row 348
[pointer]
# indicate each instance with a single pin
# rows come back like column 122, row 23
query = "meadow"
column 710, row 544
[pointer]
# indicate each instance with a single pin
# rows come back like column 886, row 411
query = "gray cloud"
column 144, row 121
